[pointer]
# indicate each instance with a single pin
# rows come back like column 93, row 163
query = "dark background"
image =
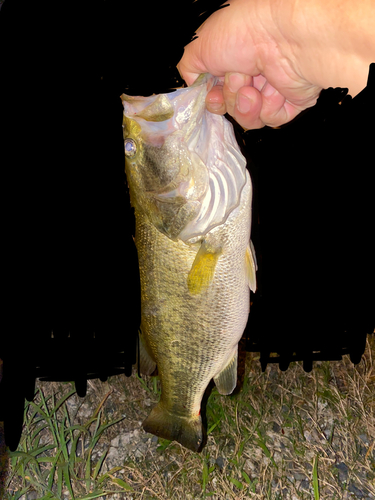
column 69, row 263
column 67, row 223
column 314, row 197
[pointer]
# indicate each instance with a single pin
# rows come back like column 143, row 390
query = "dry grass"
column 284, row 435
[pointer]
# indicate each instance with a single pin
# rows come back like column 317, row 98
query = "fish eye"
column 130, row 147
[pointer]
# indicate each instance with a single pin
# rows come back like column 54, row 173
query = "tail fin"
column 188, row 431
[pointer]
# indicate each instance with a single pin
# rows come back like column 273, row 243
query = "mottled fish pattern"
column 192, row 198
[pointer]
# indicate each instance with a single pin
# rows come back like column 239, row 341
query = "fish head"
column 183, row 168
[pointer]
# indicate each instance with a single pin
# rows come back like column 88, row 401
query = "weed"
column 286, row 435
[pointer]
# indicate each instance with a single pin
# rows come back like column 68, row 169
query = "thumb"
column 190, row 65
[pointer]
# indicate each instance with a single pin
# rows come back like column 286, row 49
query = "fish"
column 192, row 195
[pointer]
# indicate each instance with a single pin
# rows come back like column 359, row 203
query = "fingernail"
column 235, row 81
column 243, row 104
column 214, row 106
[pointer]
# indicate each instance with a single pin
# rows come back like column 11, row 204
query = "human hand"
column 253, row 102
column 271, row 65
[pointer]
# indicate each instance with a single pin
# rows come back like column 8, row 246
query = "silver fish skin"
column 192, row 198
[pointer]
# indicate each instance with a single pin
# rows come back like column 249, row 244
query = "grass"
column 47, row 460
column 284, row 435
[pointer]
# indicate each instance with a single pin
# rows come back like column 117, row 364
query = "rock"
column 356, row 491
column 343, row 471
column 123, row 446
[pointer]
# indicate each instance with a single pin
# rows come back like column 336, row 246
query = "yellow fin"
column 226, row 380
column 251, row 266
column 203, row 269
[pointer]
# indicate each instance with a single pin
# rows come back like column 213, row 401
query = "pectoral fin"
column 226, row 380
column 203, row 269
column 251, row 266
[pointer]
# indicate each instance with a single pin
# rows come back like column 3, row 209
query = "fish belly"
column 191, row 337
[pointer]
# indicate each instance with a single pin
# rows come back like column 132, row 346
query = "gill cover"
column 190, row 166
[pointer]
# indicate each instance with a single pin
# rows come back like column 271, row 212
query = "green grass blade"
column 120, row 482
column 204, row 475
column 95, row 494
column 26, row 458
column 104, row 476
column 79, row 435
column 62, row 440
column 68, row 483
column 38, row 409
column 97, row 425
column 99, row 465
column 59, row 481
column 46, row 460
column 236, row 483
column 212, row 427
column 62, row 401
column 101, row 429
column 37, row 431
column 39, row 451
column 88, row 471
column 246, row 477
column 251, row 408
column 315, row 479
column 53, row 470
column 263, row 445
column 143, row 383
column 45, row 413
column 20, row 493
column 77, row 427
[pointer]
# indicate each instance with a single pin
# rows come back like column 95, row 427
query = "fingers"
column 237, row 97
column 215, row 100
column 243, row 101
column 276, row 110
column 191, row 66
column 252, row 102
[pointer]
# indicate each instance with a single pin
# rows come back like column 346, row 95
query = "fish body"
column 192, row 198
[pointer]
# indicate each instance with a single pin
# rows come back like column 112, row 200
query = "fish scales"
column 167, row 306
column 194, row 287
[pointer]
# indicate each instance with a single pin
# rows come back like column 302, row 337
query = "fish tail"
column 188, row 431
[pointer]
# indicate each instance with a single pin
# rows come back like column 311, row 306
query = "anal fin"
column 146, row 364
column 226, row 380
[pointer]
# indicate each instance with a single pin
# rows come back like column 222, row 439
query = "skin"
column 273, row 57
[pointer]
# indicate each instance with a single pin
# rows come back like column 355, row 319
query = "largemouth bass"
column 192, row 195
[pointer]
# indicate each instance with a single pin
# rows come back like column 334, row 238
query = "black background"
column 69, row 262
column 314, row 192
